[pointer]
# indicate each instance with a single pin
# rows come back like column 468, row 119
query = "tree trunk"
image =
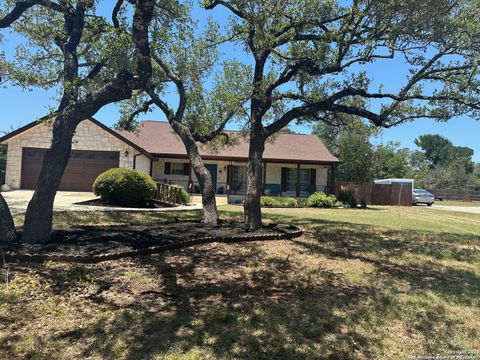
column 39, row 214
column 210, row 215
column 252, row 210
column 7, row 227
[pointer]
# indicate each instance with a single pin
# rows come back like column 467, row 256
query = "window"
column 239, row 179
column 305, row 180
column 177, row 169
column 291, row 180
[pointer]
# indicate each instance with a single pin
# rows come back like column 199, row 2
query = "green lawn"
column 383, row 283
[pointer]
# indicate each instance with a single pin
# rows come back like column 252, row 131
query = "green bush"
column 270, row 201
column 346, row 196
column 182, row 197
column 124, row 187
column 288, row 201
column 322, row 200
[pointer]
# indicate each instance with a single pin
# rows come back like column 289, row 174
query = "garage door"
column 81, row 171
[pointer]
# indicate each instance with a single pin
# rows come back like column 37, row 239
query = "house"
column 294, row 165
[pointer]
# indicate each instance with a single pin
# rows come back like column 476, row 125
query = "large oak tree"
column 184, row 61
column 314, row 58
column 73, row 48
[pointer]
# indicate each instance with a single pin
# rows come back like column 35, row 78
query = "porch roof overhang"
column 245, row 160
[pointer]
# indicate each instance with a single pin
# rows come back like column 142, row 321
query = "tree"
column 77, row 50
column 436, row 149
column 390, row 161
column 188, row 63
column 439, row 151
column 7, row 227
column 441, row 165
column 310, row 60
column 350, row 139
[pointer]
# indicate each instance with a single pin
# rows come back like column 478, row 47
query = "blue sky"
column 20, row 107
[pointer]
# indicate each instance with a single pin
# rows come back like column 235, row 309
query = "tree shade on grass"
column 385, row 283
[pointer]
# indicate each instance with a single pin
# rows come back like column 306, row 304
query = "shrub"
column 182, row 197
column 322, row 200
column 270, row 201
column 346, row 196
column 288, row 201
column 124, row 187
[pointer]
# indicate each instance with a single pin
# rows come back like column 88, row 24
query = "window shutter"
column 284, row 179
column 313, row 180
column 168, row 168
column 186, row 169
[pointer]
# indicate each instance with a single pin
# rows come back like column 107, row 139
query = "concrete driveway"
column 18, row 200
column 69, row 200
column 466, row 209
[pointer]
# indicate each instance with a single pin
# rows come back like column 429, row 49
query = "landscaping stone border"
column 282, row 233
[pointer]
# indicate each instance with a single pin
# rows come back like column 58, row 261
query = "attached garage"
column 80, row 173
column 95, row 149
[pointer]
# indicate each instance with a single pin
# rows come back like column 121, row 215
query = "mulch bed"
column 92, row 244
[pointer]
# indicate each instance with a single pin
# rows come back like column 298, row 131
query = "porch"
column 298, row 179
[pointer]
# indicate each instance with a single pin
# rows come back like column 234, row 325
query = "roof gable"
column 20, row 131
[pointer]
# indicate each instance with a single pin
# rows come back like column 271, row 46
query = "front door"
column 213, row 170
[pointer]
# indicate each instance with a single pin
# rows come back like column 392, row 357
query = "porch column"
column 264, row 177
column 332, row 178
column 298, row 180
column 229, row 179
column 190, row 182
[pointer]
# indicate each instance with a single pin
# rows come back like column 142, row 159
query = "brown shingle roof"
column 158, row 138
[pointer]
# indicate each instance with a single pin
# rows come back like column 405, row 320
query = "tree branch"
column 234, row 10
column 22, row 6
column 220, row 128
column 182, row 102
column 115, row 12
column 169, row 113
column 143, row 109
column 74, row 26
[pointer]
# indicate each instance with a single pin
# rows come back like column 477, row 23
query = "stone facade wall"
column 88, row 136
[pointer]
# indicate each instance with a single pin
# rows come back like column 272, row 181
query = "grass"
column 383, row 283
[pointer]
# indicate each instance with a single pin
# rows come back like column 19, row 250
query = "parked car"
column 420, row 196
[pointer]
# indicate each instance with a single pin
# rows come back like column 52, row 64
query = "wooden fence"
column 456, row 195
column 379, row 194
